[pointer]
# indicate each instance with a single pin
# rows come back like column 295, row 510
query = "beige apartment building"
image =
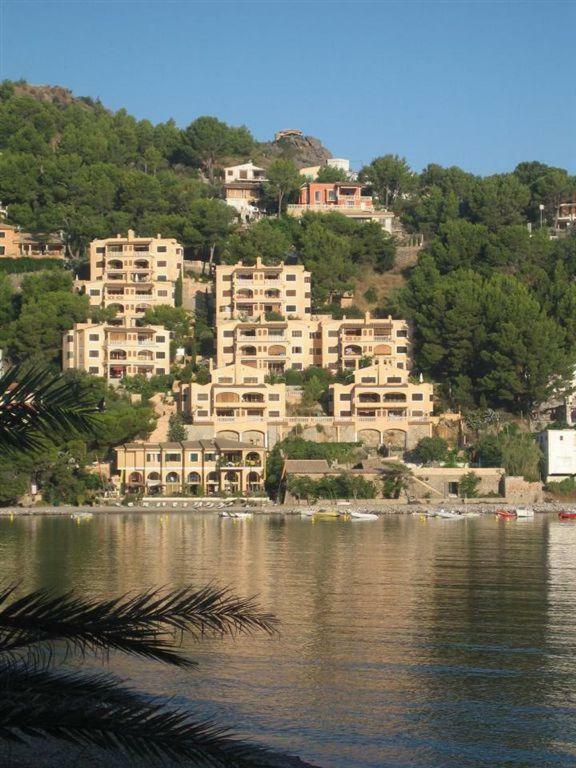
column 382, row 406
column 15, row 244
column 276, row 346
column 237, row 404
column 133, row 273
column 130, row 274
column 198, row 468
column 385, row 404
column 116, row 351
column 249, row 292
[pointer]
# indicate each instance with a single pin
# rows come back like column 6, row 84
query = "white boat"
column 524, row 512
column 81, row 515
column 308, row 512
column 357, row 515
column 235, row 515
column 446, row 514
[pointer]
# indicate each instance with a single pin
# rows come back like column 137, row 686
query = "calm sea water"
column 405, row 642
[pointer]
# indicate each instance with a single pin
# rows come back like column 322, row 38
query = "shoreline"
column 280, row 510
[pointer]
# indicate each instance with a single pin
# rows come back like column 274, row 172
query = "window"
column 274, row 414
column 160, row 339
column 163, row 278
column 417, row 413
column 332, row 195
column 91, row 337
column 94, row 353
column 100, row 249
column 290, row 278
column 160, row 371
column 202, row 396
column 228, row 334
column 290, row 293
column 394, row 380
column 2, row 233
column 94, row 292
column 172, row 457
column 333, row 350
column 345, row 413
column 307, row 280
column 208, row 456
column 368, row 380
column 193, row 456
column 250, row 380
column 70, row 337
column 402, row 334
column 93, row 370
column 274, row 397
column 347, row 396
column 100, row 264
column 417, row 396
column 160, row 355
column 291, row 308
column 317, row 196
column 152, row 457
column 228, row 350
column 297, row 366
column 2, row 250
column 162, row 263
column 161, row 249
column 402, row 350
column 332, row 333
column 296, row 350
column 202, row 413
column 225, row 379
column 70, row 355
column 162, row 293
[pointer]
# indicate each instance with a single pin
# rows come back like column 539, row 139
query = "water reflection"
column 405, row 642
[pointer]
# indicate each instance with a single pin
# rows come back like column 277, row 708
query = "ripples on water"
column 405, row 642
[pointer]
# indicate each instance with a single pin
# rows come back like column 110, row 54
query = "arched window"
column 172, row 477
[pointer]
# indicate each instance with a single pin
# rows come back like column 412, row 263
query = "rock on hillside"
column 51, row 94
column 302, row 150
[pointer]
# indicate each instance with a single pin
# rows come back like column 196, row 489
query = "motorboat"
column 447, row 514
column 565, row 515
column 81, row 516
column 358, row 515
column 524, row 512
column 235, row 515
column 506, row 514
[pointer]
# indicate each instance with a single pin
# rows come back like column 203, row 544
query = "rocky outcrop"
column 303, row 150
column 52, row 94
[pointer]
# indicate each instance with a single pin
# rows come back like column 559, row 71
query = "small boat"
column 524, row 512
column 81, row 516
column 235, row 515
column 505, row 514
column 357, row 515
column 564, row 515
column 446, row 514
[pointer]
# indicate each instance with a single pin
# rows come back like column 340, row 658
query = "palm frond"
column 98, row 710
column 148, row 624
column 36, row 403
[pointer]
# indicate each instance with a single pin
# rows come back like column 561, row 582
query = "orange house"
column 339, row 194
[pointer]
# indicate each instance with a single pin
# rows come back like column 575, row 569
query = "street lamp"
column 541, row 207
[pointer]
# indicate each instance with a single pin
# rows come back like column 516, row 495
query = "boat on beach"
column 565, row 515
column 447, row 514
column 524, row 512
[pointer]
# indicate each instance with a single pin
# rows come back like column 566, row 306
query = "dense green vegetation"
column 344, row 486
column 68, row 470
column 294, row 447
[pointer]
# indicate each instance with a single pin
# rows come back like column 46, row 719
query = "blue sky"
column 483, row 85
